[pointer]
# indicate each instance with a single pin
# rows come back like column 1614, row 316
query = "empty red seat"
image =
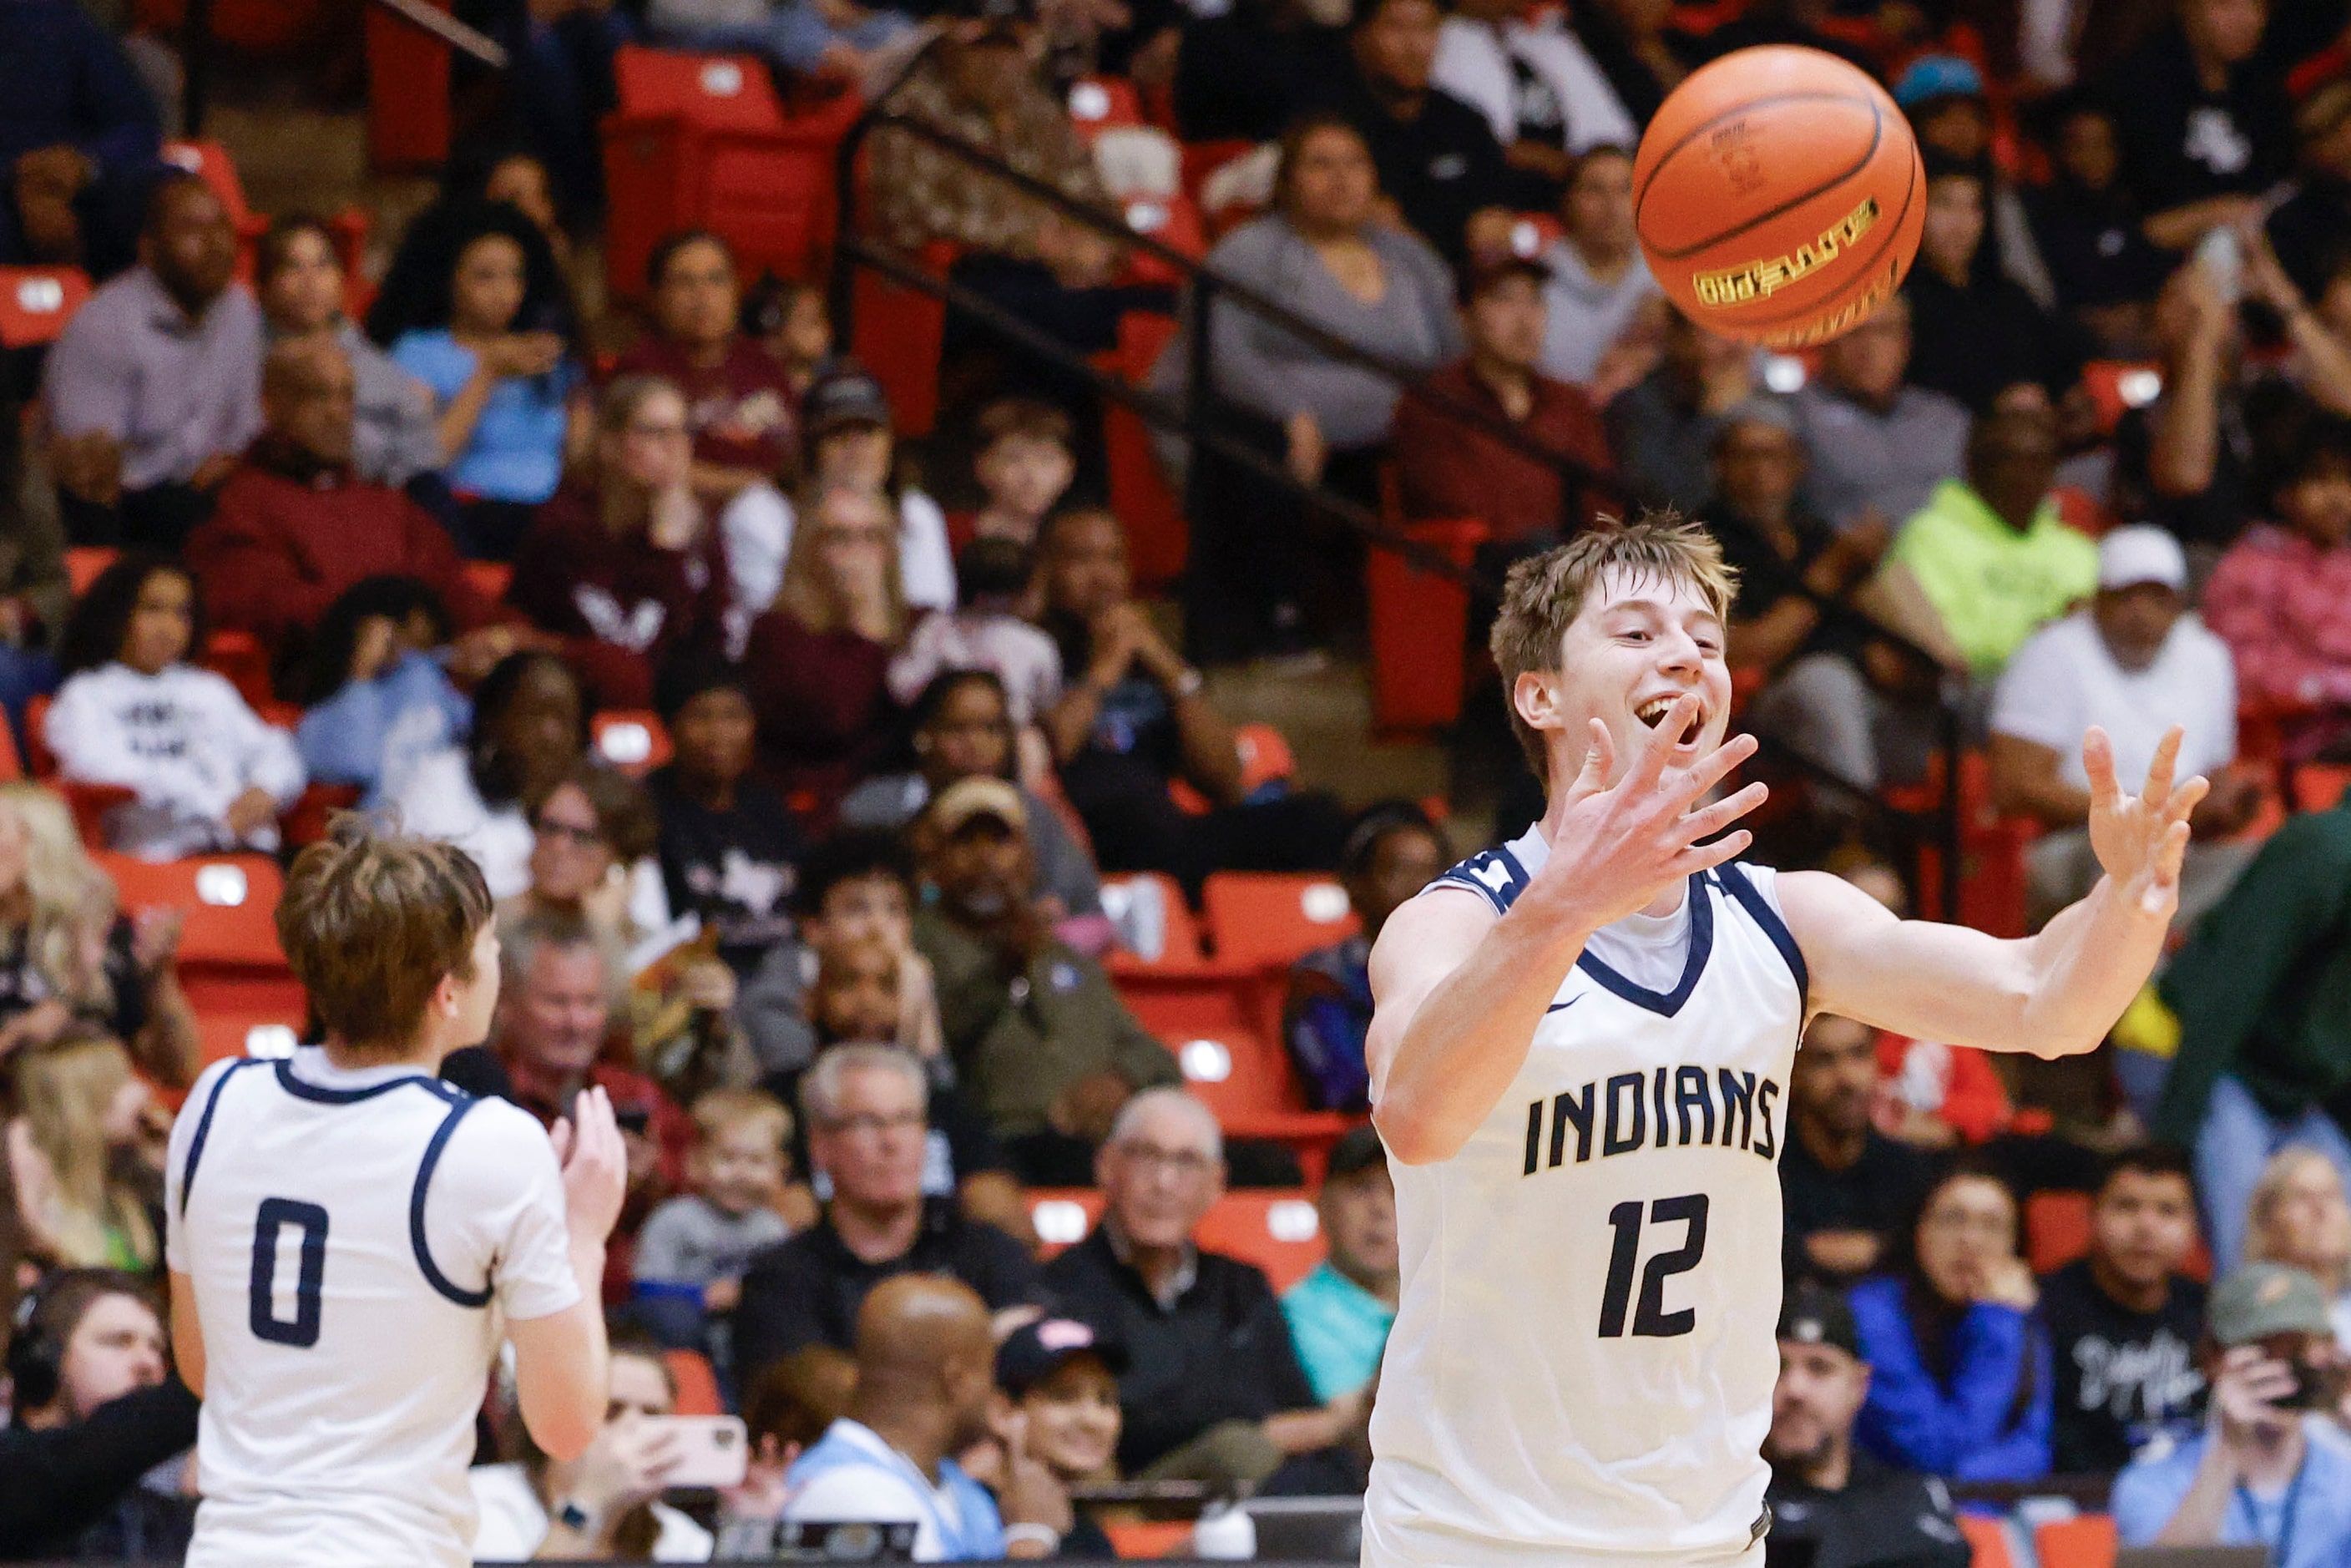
column 897, row 333
column 1278, row 1231
column 35, row 303
column 1420, row 631
column 84, row 563
column 2056, row 1229
column 710, row 92
column 1097, row 103
column 1271, row 919
column 408, row 92
column 1157, row 539
column 1179, row 946
column 697, row 1384
column 2088, row 1542
column 229, row 1034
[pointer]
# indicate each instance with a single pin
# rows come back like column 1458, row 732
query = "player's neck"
column 422, row 1054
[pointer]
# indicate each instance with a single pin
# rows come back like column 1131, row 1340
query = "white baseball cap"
column 2140, row 553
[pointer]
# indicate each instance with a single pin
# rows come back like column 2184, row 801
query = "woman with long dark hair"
column 1960, row 1382
column 530, row 729
column 379, row 702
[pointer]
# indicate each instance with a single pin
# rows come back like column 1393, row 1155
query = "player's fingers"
column 2186, row 797
column 2098, row 762
column 1599, row 759
column 2160, row 772
column 1712, row 820
column 1714, row 769
column 2165, row 881
column 1706, row 857
column 560, row 1136
column 1657, row 745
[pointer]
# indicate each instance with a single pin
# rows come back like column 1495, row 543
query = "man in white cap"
column 2136, row 662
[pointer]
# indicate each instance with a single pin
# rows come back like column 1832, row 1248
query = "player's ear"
column 1535, row 695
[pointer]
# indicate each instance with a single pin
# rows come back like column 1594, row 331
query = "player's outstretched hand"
column 2141, row 838
column 1619, row 846
column 595, row 1164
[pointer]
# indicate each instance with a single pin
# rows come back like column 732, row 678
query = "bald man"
column 294, row 526
column 925, row 1377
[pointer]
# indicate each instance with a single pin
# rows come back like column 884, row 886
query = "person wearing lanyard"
column 2273, row 1468
column 925, row 1383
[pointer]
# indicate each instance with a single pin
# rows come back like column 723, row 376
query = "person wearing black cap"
column 1446, row 468
column 1339, row 1314
column 730, row 852
column 1832, row 1506
column 1059, row 1382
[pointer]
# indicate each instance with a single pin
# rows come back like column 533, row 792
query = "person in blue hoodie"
column 1961, row 1384
column 379, row 701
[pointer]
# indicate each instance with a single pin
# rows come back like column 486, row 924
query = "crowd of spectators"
column 845, row 959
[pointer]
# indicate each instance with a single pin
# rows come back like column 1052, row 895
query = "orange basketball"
column 1778, row 196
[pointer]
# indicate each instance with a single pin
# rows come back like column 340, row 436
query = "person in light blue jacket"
column 378, row 700
column 1961, row 1384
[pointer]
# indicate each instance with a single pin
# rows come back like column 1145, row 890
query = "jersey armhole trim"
column 1751, row 898
column 433, row 1150
column 1465, row 876
column 204, row 1126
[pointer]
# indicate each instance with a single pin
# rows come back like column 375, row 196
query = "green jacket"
column 2262, row 989
column 1018, row 1040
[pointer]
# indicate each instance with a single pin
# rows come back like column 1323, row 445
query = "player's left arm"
column 2053, row 994
column 187, row 1333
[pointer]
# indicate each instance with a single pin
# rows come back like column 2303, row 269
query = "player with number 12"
column 1579, row 1055
column 350, row 1239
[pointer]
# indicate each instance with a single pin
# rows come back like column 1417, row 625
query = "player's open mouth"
column 1652, row 712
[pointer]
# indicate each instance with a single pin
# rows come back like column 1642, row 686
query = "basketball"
column 1778, row 196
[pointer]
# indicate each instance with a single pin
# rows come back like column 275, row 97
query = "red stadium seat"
column 1420, row 629
column 697, row 1384
column 240, row 656
column 1179, row 947
column 2056, row 1229
column 1273, row 918
column 897, row 333
column 228, row 1034
column 1987, row 1542
column 84, row 563
column 35, row 303
column 1146, row 1539
column 12, row 766
column 1098, row 103
column 702, row 141
column 89, row 804
column 2088, row 1541
column 39, row 760
column 229, row 962
column 1157, row 538
column 1061, row 1215
column 2320, row 786
column 408, row 93
column 306, row 820
column 489, row 578
column 1278, row 1231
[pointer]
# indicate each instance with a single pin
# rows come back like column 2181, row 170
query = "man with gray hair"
column 1213, row 1390
column 867, row 1109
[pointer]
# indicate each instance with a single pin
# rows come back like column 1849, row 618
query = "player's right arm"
column 562, row 1379
column 187, row 1333
column 1458, row 991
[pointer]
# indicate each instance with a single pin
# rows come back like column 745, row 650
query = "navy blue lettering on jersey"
column 1676, row 1107
column 1494, row 875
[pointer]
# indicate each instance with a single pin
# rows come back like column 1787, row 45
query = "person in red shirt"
column 1449, row 468
column 551, row 1034
column 294, row 527
column 626, row 565
column 739, row 401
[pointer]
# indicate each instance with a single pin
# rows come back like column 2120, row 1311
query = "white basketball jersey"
column 354, row 1238
column 1581, row 1365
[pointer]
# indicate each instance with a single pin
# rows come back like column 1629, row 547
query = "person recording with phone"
column 2273, row 1466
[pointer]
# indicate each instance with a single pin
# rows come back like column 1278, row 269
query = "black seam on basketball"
column 1893, row 229
column 1876, row 140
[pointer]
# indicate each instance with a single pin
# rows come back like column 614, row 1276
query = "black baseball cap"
column 1036, row 1351
column 1359, row 1149
column 1813, row 1315
column 843, row 395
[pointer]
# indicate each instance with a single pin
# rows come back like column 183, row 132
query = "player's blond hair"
column 371, row 922
column 1545, row 593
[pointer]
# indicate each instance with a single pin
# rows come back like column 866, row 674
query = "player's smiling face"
column 1640, row 642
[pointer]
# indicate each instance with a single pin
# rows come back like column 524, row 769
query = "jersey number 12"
column 1650, row 1319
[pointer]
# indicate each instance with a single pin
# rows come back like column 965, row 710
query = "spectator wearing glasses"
column 1213, row 1390
column 866, row 1110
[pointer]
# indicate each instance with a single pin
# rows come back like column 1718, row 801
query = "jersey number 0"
column 309, row 1223
column 1650, row 1319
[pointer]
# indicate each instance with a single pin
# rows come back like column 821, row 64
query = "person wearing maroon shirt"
column 627, row 568
column 1449, row 468
column 819, row 659
column 294, row 527
column 739, row 401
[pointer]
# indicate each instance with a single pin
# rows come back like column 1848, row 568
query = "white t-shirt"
column 513, row 1522
column 1473, row 64
column 2063, row 680
column 440, row 801
column 183, row 738
column 355, row 1240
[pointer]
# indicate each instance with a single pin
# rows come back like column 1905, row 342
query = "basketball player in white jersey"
column 350, row 1239
column 1579, row 1059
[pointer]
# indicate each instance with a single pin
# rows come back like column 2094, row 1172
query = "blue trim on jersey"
column 205, row 1126
column 459, row 1103
column 1467, row 873
column 319, row 1095
column 1751, row 898
column 1701, row 945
